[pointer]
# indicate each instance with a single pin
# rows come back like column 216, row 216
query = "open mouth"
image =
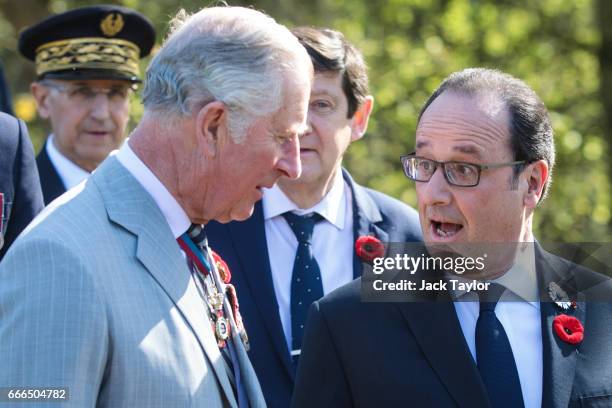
column 97, row 133
column 445, row 230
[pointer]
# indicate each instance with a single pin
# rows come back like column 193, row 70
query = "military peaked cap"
column 98, row 42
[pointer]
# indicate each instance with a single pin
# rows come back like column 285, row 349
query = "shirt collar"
column 331, row 207
column 70, row 173
column 520, row 280
column 173, row 213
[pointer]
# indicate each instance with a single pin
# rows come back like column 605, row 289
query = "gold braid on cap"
column 88, row 53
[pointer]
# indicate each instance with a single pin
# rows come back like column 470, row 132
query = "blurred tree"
column 604, row 13
column 410, row 46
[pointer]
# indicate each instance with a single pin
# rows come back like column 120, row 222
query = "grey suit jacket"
column 97, row 297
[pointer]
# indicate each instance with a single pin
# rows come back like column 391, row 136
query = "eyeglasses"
column 456, row 173
column 82, row 93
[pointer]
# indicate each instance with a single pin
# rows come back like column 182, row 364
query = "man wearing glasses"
column 86, row 66
column 483, row 159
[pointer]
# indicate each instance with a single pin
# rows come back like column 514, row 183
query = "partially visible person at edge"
column 6, row 103
column 20, row 194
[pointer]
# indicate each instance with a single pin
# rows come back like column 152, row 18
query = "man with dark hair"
column 86, row 66
column 531, row 133
column 299, row 243
column 530, row 336
column 20, row 195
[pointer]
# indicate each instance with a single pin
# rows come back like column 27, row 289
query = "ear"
column 359, row 123
column 41, row 96
column 211, row 126
column 536, row 176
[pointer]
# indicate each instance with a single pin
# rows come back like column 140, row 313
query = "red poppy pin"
column 568, row 328
column 369, row 247
column 224, row 271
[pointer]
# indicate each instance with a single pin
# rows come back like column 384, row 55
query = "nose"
column 308, row 129
column 289, row 164
column 436, row 191
column 100, row 106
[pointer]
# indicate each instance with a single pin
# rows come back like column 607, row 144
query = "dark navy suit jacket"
column 19, row 183
column 243, row 246
column 359, row 354
column 51, row 183
column 6, row 105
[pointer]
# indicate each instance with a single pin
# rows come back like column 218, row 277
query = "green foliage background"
column 410, row 46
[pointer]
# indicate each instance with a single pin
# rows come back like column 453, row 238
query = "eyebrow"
column 465, row 149
column 322, row 93
column 296, row 130
column 422, row 144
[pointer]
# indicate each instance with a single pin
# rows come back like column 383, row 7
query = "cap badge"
column 112, row 24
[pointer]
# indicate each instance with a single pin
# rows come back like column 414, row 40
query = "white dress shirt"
column 332, row 242
column 173, row 213
column 69, row 173
column 519, row 312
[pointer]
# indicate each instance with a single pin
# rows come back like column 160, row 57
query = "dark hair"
column 531, row 134
column 331, row 52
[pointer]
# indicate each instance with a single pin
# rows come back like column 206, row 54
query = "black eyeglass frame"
column 479, row 167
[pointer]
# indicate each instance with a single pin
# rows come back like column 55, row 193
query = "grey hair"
column 235, row 55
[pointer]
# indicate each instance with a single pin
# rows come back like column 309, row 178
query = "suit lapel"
column 559, row 358
column 365, row 217
column 130, row 206
column 250, row 236
column 50, row 181
column 434, row 324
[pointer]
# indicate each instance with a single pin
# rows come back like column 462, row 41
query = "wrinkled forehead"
column 484, row 104
column 482, row 119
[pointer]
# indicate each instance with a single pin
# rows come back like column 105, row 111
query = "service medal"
column 222, row 328
column 560, row 297
column 216, row 300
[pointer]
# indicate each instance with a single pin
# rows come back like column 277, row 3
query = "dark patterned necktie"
column 306, row 285
column 494, row 354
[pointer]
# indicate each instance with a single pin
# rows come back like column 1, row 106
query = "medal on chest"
column 219, row 295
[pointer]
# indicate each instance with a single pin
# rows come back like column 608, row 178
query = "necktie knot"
column 489, row 298
column 302, row 225
column 197, row 235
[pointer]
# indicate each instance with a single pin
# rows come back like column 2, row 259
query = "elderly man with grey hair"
column 112, row 297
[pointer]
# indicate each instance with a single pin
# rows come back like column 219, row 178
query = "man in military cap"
column 86, row 66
